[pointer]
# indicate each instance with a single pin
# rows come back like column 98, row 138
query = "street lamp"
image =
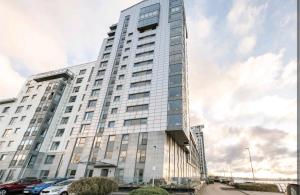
column 251, row 163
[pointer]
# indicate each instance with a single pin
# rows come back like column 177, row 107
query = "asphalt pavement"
column 220, row 189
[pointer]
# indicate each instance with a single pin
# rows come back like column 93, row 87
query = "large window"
column 140, row 83
column 143, row 63
column 174, row 120
column 95, row 92
column 64, row 120
column 136, row 108
column 143, row 54
column 49, row 159
column 175, row 92
column 59, row 132
column 138, row 95
column 92, row 103
column 80, row 142
column 110, row 147
column 54, row 145
column 132, row 122
column 142, row 73
column 174, row 105
column 88, row 116
column 175, row 80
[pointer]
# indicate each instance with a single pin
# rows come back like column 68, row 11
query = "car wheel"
column 63, row 193
column 3, row 192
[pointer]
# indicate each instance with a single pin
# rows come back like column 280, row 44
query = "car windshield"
column 64, row 183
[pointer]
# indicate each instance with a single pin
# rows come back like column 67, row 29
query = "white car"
column 60, row 188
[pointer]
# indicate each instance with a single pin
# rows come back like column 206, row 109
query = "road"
column 220, row 189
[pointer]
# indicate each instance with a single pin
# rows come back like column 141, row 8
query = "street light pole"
column 251, row 163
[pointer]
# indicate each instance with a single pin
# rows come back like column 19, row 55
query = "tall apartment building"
column 124, row 115
column 199, row 138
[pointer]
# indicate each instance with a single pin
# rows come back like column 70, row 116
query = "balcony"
column 64, row 73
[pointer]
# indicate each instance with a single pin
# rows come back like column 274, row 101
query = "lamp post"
column 251, row 163
column 153, row 168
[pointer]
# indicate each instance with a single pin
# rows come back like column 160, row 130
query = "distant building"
column 198, row 134
column 124, row 115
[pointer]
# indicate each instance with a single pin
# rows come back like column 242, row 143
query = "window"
column 143, row 138
column 141, row 156
column 141, row 46
column 88, row 116
column 10, row 175
column 67, row 144
column 142, row 73
column 80, row 142
column 76, row 89
column 175, row 80
column 5, row 109
column 82, row 71
column 38, row 86
column 79, row 80
column 175, row 105
column 140, row 83
column 72, row 99
column 19, row 109
column 98, row 82
column 23, row 118
column 175, row 92
column 97, row 142
column 54, row 145
column 101, row 73
column 175, row 9
column 49, row 159
column 13, row 120
column 44, row 173
column 174, row 120
column 110, row 147
column 175, row 68
column 139, row 95
column 33, row 96
column 95, row 92
column 107, row 48
column 127, row 49
column 146, row 37
column 114, row 110
column 92, row 103
column 59, row 132
column 125, row 57
column 64, row 120
column 28, row 107
column 32, row 121
column 121, row 77
column 138, row 121
column 103, row 64
column 2, row 172
column 24, row 99
column 105, row 56
column 111, row 124
column 143, row 54
column 137, row 108
column 119, row 87
column 129, row 41
column 3, row 157
column 84, row 128
column 117, row 98
column 130, row 34
column 123, row 67
column 69, row 109
column 17, row 130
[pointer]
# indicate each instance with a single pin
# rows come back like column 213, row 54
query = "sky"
column 242, row 69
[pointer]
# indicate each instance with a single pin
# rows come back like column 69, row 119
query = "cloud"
column 244, row 17
column 10, row 80
column 268, row 150
column 247, row 44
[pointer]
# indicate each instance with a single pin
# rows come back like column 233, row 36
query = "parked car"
column 209, row 181
column 36, row 189
column 60, row 188
column 18, row 186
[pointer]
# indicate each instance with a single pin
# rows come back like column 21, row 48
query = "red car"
column 18, row 186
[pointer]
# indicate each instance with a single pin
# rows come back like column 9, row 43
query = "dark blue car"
column 36, row 189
